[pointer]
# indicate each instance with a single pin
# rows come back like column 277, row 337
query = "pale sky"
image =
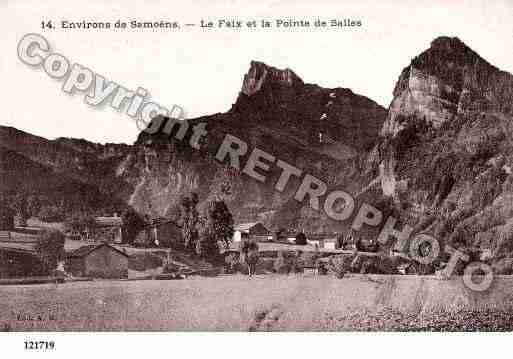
column 202, row 70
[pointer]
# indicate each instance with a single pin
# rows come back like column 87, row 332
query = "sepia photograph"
column 233, row 166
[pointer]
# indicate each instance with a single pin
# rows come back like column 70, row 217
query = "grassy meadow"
column 262, row 303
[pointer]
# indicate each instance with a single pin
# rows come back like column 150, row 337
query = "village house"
column 322, row 240
column 18, row 256
column 109, row 229
column 98, row 261
column 254, row 231
column 290, row 236
column 104, row 228
column 19, row 260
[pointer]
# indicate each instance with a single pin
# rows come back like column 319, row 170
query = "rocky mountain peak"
column 449, row 44
column 445, row 80
column 259, row 74
column 448, row 54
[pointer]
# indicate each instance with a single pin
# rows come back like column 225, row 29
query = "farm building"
column 325, row 241
column 255, row 231
column 105, row 229
column 291, row 238
column 18, row 257
column 109, row 229
column 98, row 260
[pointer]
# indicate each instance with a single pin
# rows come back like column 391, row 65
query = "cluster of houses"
column 19, row 257
column 258, row 232
column 103, row 257
column 19, row 252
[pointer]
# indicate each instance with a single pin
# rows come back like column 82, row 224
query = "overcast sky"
column 202, row 70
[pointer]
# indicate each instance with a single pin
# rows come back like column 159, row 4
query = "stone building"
column 98, row 261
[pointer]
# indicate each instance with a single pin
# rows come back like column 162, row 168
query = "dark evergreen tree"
column 50, row 250
column 6, row 215
column 221, row 223
column 190, row 219
column 133, row 223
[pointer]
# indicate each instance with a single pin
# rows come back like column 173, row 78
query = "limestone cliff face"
column 422, row 95
column 445, row 152
column 447, row 79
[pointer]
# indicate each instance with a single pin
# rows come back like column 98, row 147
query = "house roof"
column 245, row 226
column 23, row 247
column 88, row 249
column 19, row 241
column 5, row 235
column 109, row 221
column 320, row 236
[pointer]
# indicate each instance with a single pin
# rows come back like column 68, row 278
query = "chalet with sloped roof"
column 98, row 261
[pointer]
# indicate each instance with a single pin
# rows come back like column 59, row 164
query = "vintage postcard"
column 213, row 166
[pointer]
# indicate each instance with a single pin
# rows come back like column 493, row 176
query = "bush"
column 288, row 262
column 309, row 259
column 171, row 268
column 367, row 267
column 281, row 264
column 322, row 267
column 296, row 263
column 249, row 254
column 266, row 265
column 232, row 262
column 338, row 266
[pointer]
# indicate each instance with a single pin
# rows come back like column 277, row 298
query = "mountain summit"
column 260, row 75
column 447, row 79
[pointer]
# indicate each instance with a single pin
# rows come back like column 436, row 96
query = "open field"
column 271, row 302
